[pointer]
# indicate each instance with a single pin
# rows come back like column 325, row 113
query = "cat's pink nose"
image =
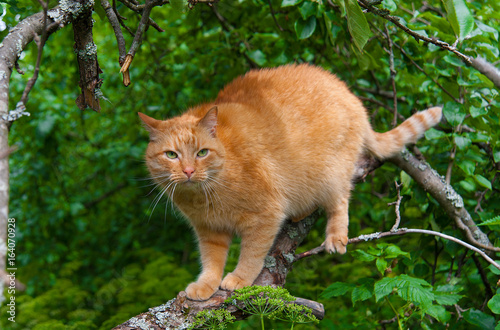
column 188, row 171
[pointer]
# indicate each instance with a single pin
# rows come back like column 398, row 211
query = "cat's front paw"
column 233, row 282
column 199, row 291
column 336, row 243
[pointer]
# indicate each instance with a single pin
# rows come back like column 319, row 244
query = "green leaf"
column 307, row 9
column 415, row 290
column 389, row 5
column 362, row 255
column 476, row 112
column 446, row 298
column 393, row 251
column 483, row 181
column 496, row 156
column 364, row 291
column 493, row 269
column 409, row 288
column 480, row 319
column 453, row 113
column 357, row 24
column 287, row 3
column 460, row 17
column 381, row 265
column 305, row 28
column 337, row 289
column 439, row 313
column 433, row 133
column 494, row 304
column 467, row 185
column 462, row 142
column 488, row 29
column 491, row 222
column 384, row 287
column 467, row 166
column 258, row 57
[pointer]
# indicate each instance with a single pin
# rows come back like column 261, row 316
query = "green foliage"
column 94, row 251
column 274, row 303
column 212, row 319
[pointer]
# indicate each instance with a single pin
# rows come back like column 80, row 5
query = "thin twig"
column 447, row 177
column 393, row 77
column 398, row 204
column 138, row 37
column 427, row 75
column 40, row 42
column 484, row 278
column 274, row 16
column 402, row 231
column 113, row 20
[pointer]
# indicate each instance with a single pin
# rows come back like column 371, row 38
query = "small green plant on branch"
column 275, row 303
column 213, row 319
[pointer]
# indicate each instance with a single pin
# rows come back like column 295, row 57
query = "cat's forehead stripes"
column 185, row 137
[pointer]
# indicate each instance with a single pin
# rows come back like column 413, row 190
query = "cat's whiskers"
column 171, row 197
column 209, row 183
column 207, row 194
column 157, row 199
column 157, row 184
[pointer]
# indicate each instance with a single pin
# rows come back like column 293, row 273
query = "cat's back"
column 305, row 103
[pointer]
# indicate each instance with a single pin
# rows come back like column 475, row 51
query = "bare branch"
column 402, row 231
column 40, row 42
column 398, row 204
column 138, row 37
column 113, row 20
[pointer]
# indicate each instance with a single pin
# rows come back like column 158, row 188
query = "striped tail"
column 384, row 145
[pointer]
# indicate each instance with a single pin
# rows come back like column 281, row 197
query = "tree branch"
column 88, row 65
column 179, row 312
column 451, row 202
column 138, row 38
column 479, row 63
column 113, row 20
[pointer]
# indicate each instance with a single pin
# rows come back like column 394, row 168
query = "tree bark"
column 86, row 53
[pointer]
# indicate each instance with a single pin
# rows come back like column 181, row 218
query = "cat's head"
column 184, row 150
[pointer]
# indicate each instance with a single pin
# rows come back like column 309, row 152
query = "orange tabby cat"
column 275, row 144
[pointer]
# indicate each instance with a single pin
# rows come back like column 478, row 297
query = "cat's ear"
column 151, row 125
column 209, row 122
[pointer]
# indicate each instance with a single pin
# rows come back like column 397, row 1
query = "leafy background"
column 94, row 250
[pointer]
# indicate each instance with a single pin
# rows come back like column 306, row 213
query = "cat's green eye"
column 171, row 154
column 202, row 153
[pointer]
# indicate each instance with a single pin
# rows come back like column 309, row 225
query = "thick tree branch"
column 179, row 312
column 450, row 201
column 488, row 69
column 86, row 51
